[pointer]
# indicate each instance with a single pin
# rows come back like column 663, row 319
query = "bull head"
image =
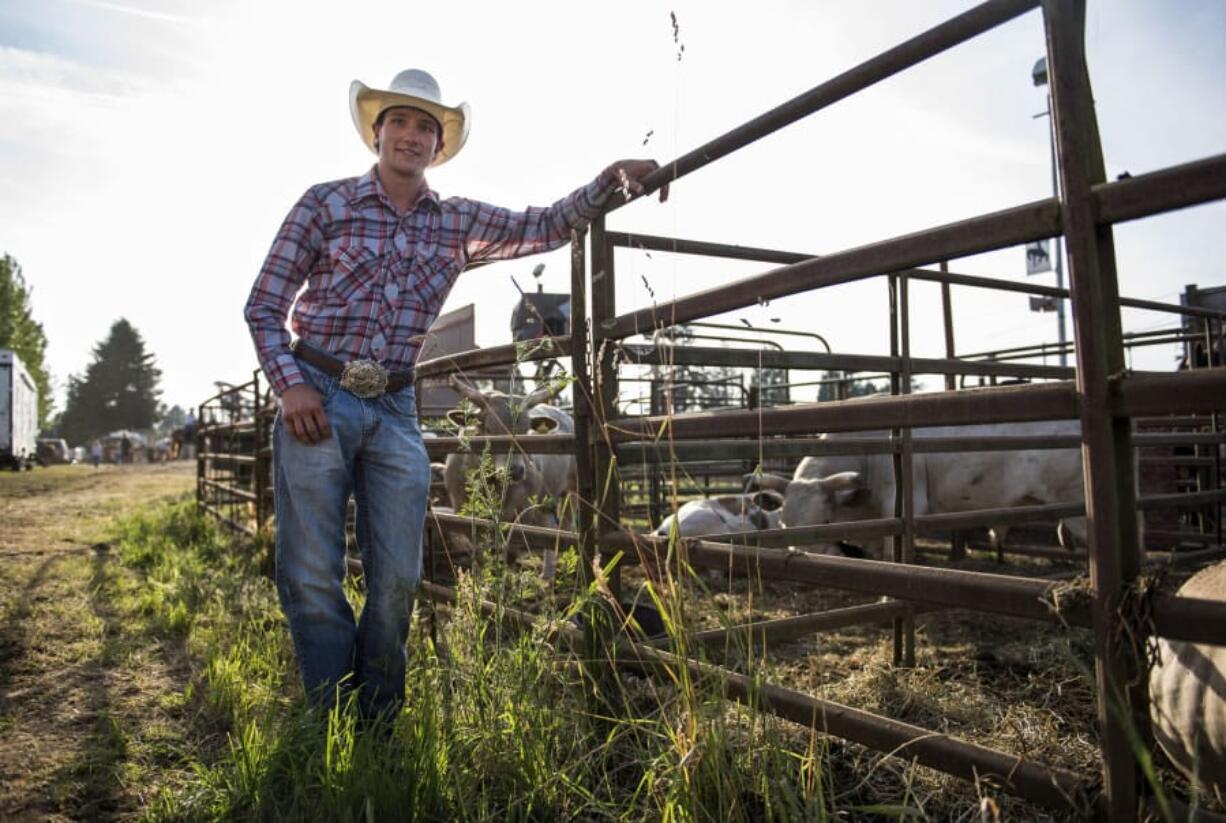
column 501, row 413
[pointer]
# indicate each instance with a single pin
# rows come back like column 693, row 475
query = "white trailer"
column 18, row 413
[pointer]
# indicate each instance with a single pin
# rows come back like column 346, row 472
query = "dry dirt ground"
column 90, row 707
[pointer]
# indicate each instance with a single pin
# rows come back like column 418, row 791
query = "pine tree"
column 118, row 391
column 19, row 332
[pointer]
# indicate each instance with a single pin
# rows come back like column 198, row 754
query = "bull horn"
column 470, row 391
column 541, row 395
column 759, row 481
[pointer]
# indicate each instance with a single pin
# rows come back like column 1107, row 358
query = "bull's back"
column 964, row 481
column 1188, row 693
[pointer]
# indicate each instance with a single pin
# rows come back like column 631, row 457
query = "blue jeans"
column 375, row 453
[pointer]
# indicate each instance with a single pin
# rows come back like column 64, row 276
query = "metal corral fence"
column 1101, row 393
column 234, row 456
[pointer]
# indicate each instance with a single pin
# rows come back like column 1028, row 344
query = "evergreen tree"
column 118, row 391
column 19, row 332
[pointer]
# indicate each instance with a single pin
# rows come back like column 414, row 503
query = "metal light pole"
column 1039, row 75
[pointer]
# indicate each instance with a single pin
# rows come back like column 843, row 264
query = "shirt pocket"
column 430, row 280
column 355, row 272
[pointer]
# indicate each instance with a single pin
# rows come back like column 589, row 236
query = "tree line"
column 119, row 389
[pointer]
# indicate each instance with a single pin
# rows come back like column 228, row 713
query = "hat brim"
column 365, row 105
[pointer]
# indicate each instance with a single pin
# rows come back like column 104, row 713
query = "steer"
column 1188, row 694
column 524, row 480
column 725, row 515
column 861, row 487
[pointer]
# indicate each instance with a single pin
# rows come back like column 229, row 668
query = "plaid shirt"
column 376, row 279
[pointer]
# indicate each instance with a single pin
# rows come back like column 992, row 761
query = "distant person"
column 378, row 254
column 189, row 436
column 125, row 450
column 95, row 453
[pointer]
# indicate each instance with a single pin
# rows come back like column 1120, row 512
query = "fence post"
column 581, row 390
column 1106, row 452
column 197, row 441
column 947, row 314
column 605, row 388
column 957, row 538
column 903, row 545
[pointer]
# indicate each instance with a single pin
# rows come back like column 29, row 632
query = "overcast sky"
column 150, row 148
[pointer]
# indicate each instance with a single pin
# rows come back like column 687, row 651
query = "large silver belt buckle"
column 364, row 378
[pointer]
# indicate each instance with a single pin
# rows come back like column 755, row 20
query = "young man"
column 378, row 255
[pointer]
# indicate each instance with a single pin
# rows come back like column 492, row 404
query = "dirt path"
column 90, row 706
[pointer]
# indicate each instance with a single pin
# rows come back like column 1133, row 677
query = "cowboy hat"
column 415, row 88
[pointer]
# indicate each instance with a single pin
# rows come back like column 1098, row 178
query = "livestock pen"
column 1109, row 401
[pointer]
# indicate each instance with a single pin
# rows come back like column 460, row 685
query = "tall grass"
column 500, row 723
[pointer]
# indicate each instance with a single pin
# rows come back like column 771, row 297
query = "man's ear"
column 438, row 147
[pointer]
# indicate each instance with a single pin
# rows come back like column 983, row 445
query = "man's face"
column 408, row 140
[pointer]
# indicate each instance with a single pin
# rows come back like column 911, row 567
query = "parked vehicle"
column 18, row 413
column 53, row 451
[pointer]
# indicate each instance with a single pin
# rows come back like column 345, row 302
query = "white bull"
column 525, row 480
column 861, row 487
column 725, row 515
column 1188, row 694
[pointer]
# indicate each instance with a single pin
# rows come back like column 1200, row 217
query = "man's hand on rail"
column 629, row 175
column 302, row 411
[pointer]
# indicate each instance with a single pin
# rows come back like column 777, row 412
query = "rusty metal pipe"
column 502, row 444
column 545, row 348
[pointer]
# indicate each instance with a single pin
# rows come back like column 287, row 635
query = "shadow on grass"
column 97, row 783
column 15, row 625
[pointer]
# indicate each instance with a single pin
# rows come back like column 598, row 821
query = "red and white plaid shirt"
column 377, row 279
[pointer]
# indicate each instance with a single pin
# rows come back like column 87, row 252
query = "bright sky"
column 150, row 148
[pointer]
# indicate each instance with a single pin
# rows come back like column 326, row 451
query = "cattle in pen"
column 730, row 514
column 839, row 488
column 531, row 488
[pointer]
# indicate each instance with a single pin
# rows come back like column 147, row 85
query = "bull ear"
column 768, row 500
column 757, row 481
column 850, row 497
column 470, row 391
column 843, row 488
column 543, row 424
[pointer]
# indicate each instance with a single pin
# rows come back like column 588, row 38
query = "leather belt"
column 364, row 378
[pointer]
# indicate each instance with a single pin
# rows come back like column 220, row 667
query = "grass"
column 512, row 723
column 498, row 724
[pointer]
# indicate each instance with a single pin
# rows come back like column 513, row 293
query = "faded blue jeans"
column 375, row 453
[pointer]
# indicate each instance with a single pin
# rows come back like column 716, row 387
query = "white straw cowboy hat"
column 416, row 88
